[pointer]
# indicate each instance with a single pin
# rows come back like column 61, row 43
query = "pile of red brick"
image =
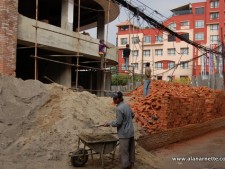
column 171, row 105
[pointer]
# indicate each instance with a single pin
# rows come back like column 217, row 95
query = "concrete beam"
column 61, row 40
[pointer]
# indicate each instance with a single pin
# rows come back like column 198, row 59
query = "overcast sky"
column 162, row 6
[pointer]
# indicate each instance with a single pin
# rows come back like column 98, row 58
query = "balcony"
column 183, row 12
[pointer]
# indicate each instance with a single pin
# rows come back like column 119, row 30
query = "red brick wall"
column 157, row 140
column 8, row 36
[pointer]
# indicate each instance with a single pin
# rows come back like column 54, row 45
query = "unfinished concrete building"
column 51, row 30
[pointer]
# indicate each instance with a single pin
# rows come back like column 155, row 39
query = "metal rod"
column 35, row 58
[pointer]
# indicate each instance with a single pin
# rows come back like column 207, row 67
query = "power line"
column 160, row 26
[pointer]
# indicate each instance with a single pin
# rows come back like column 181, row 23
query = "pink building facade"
column 201, row 22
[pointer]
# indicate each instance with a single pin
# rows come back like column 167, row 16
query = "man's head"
column 117, row 97
column 147, row 64
column 127, row 45
column 101, row 41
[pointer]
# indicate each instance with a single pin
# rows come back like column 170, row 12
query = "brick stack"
column 172, row 105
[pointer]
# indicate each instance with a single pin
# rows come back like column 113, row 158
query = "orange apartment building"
column 201, row 22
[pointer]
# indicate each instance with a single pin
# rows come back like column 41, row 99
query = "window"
column 184, row 51
column 214, row 38
column 171, row 65
column 199, row 10
column 123, row 41
column 172, row 26
column 123, row 67
column 135, row 53
column 144, row 65
column 159, row 77
column 135, row 40
column 146, row 53
column 199, row 36
column 158, row 52
column 171, row 38
column 169, row 78
column 147, row 39
column 171, row 51
column 135, row 65
column 185, row 23
column 184, row 65
column 124, row 28
column 159, row 39
column 199, row 24
column 214, row 15
column 214, row 27
column 185, row 35
column 214, row 4
column 158, row 65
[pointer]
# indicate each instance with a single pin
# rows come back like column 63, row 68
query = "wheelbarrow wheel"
column 79, row 158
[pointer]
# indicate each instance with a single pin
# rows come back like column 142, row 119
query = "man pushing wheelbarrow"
column 125, row 129
column 106, row 143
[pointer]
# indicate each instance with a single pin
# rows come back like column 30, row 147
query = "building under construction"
column 43, row 40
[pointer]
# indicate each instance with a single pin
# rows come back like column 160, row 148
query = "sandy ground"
column 39, row 125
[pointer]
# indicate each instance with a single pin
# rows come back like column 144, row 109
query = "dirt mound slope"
column 39, row 124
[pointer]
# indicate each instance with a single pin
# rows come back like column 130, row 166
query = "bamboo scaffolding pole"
column 36, row 46
column 29, row 47
column 107, row 34
column 62, row 55
column 78, row 49
column 69, row 64
column 60, row 33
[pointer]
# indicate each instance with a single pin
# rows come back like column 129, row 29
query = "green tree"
column 120, row 79
column 183, row 80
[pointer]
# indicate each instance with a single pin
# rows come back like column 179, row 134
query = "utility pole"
column 129, row 26
column 133, row 77
column 142, row 58
column 223, row 56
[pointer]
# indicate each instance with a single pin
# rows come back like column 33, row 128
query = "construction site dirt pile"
column 39, row 124
column 171, row 105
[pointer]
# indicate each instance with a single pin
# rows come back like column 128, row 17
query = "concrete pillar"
column 67, row 14
column 8, row 36
column 67, row 23
column 101, row 25
column 65, row 74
